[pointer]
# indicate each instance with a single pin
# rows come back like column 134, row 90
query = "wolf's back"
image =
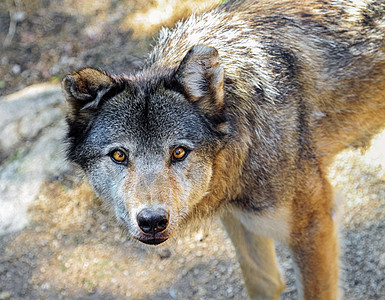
column 324, row 57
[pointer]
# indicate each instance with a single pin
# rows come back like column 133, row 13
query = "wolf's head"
column 148, row 141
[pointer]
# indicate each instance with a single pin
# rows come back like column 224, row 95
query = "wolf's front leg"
column 256, row 256
column 313, row 243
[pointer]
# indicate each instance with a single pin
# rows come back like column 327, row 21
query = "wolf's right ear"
column 85, row 88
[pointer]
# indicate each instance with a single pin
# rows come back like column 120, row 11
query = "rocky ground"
column 58, row 241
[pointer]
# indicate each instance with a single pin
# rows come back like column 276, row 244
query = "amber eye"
column 118, row 156
column 179, row 154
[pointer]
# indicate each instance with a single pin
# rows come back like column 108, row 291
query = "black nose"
column 152, row 221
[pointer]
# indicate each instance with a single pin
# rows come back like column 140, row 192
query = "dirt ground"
column 74, row 249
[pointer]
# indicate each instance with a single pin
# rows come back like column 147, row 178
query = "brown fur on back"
column 328, row 55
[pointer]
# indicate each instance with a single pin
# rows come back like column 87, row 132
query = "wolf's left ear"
column 85, row 88
column 201, row 77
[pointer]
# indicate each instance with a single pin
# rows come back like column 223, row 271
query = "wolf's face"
column 147, row 143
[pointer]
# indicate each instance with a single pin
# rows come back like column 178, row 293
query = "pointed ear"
column 201, row 77
column 85, row 88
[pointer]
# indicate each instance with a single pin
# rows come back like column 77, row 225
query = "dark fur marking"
column 372, row 13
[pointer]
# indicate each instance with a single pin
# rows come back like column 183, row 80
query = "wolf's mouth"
column 152, row 240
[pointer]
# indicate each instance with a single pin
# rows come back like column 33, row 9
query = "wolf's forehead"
column 152, row 117
column 153, row 112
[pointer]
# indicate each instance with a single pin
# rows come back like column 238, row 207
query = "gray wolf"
column 238, row 112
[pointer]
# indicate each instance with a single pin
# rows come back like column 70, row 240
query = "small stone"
column 5, row 295
column 16, row 69
column 164, row 253
column 172, row 293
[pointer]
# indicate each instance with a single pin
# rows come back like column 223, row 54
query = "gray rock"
column 32, row 128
